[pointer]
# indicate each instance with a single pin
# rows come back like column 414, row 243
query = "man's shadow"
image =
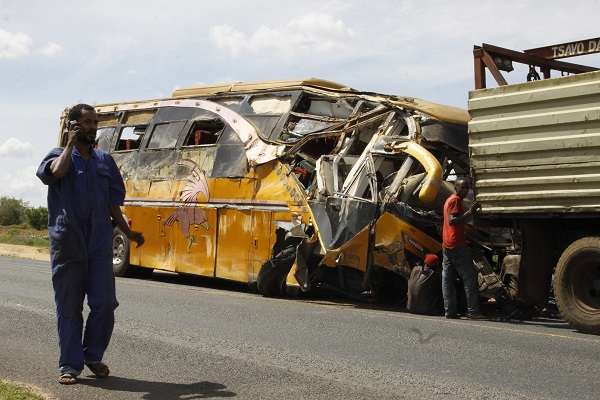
column 161, row 390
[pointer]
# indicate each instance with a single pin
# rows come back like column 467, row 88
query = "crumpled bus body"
column 308, row 183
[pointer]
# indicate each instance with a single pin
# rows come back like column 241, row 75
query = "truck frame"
column 533, row 150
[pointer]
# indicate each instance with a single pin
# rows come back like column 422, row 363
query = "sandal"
column 67, row 378
column 99, row 369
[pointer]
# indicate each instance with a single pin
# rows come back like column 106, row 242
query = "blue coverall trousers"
column 72, row 281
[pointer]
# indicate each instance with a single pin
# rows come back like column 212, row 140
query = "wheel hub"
column 118, row 250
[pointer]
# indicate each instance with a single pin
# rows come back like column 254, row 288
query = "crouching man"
column 85, row 189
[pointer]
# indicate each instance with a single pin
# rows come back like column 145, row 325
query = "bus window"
column 104, row 137
column 164, row 136
column 204, row 132
column 131, row 137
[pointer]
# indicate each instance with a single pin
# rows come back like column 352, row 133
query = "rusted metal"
column 531, row 59
column 479, row 68
column 493, row 68
column 485, row 55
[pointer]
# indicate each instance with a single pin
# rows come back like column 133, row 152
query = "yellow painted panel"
column 196, row 241
column 276, row 184
column 262, row 240
column 389, row 228
column 351, row 254
column 233, row 244
column 166, row 255
column 231, row 189
column 156, row 251
column 134, row 214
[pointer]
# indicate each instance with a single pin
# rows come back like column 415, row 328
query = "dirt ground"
column 30, row 252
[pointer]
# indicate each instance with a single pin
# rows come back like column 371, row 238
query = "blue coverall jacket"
column 80, row 230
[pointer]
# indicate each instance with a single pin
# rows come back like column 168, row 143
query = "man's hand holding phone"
column 73, row 133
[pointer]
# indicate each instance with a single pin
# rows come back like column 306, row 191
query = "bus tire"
column 271, row 279
column 120, row 250
column 577, row 284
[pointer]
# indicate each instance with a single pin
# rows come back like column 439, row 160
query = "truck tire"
column 577, row 284
column 120, row 248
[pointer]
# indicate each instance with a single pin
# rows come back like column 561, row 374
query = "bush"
column 11, row 211
column 37, row 217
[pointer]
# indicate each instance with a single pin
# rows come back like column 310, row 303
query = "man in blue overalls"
column 85, row 189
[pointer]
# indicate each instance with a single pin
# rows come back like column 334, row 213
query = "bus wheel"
column 120, row 253
column 270, row 281
column 577, row 284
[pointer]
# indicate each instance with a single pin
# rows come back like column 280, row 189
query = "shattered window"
column 327, row 109
column 104, row 138
column 131, row 137
column 323, row 107
column 164, row 136
column 264, row 124
column 204, row 132
column 270, row 104
column 297, row 128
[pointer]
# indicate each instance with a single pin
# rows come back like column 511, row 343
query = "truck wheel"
column 577, row 284
column 120, row 253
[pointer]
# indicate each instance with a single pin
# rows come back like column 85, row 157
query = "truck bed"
column 535, row 147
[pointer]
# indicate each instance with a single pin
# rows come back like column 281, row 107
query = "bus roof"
column 438, row 111
column 242, row 87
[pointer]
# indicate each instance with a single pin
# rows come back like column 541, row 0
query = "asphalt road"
column 181, row 338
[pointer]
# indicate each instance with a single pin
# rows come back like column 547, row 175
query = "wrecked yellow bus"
column 284, row 184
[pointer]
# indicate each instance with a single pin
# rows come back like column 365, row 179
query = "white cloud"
column 13, row 147
column 313, row 32
column 51, row 49
column 23, row 184
column 14, row 44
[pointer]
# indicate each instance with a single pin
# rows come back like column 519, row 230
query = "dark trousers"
column 459, row 261
column 72, row 281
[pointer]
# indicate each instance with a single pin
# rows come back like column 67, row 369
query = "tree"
column 37, row 217
column 11, row 211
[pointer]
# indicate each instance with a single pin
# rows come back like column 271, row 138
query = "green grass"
column 24, row 235
column 9, row 391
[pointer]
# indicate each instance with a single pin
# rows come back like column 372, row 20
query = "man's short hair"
column 76, row 111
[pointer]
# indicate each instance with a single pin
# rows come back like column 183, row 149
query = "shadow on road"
column 161, row 390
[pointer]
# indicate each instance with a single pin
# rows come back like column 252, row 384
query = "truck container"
column 534, row 153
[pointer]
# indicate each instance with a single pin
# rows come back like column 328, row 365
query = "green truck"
column 534, row 153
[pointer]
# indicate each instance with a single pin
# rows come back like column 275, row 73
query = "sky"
column 59, row 53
